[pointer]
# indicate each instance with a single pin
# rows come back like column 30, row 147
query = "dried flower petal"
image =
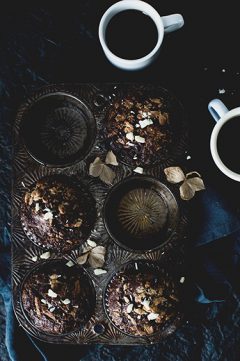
column 186, row 191
column 95, row 168
column 107, row 175
column 97, row 257
column 82, row 259
column 190, row 174
column 111, row 158
column 174, row 174
column 196, row 184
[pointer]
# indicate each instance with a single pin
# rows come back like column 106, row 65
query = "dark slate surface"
column 48, row 44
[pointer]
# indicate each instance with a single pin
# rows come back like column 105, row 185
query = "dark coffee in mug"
column 228, row 142
column 131, row 34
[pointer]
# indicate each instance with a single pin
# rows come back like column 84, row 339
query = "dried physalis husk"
column 97, row 257
column 82, row 258
column 96, row 167
column 191, row 185
column 101, row 170
column 174, row 174
column 107, row 175
column 111, row 158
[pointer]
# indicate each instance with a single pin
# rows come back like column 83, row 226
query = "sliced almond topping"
column 130, row 308
column 139, row 139
column 66, row 301
column 144, row 123
column 152, row 316
column 51, row 293
column 34, row 258
column 138, row 170
column 70, row 264
column 130, row 136
column 99, row 271
column 45, row 255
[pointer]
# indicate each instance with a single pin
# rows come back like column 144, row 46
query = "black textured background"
column 46, row 44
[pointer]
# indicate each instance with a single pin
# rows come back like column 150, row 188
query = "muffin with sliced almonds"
column 57, row 213
column 140, row 302
column 58, row 299
column 140, row 130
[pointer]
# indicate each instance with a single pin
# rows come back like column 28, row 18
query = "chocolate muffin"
column 57, row 213
column 140, row 302
column 58, row 299
column 140, row 130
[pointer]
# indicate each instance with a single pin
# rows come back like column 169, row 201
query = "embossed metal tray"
column 91, row 102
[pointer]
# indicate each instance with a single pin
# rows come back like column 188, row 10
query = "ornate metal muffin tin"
column 27, row 169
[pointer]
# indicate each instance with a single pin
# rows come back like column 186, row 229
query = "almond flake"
column 137, row 125
column 136, row 266
column 144, row 123
column 130, row 144
column 130, row 136
column 48, row 216
column 51, row 293
column 70, row 264
column 130, row 308
column 139, row 139
column 37, row 207
column 138, row 170
column 91, row 243
column 34, row 258
column 145, row 303
column 182, row 279
column 99, row 271
column 45, row 255
column 152, row 316
column 43, row 301
column 66, row 301
column 135, row 157
column 52, row 309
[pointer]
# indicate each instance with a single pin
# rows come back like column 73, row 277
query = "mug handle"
column 172, row 22
column 217, row 109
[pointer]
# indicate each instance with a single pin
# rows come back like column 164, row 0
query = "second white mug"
column 225, row 138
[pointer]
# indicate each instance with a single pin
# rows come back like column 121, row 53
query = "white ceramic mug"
column 221, row 115
column 164, row 24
